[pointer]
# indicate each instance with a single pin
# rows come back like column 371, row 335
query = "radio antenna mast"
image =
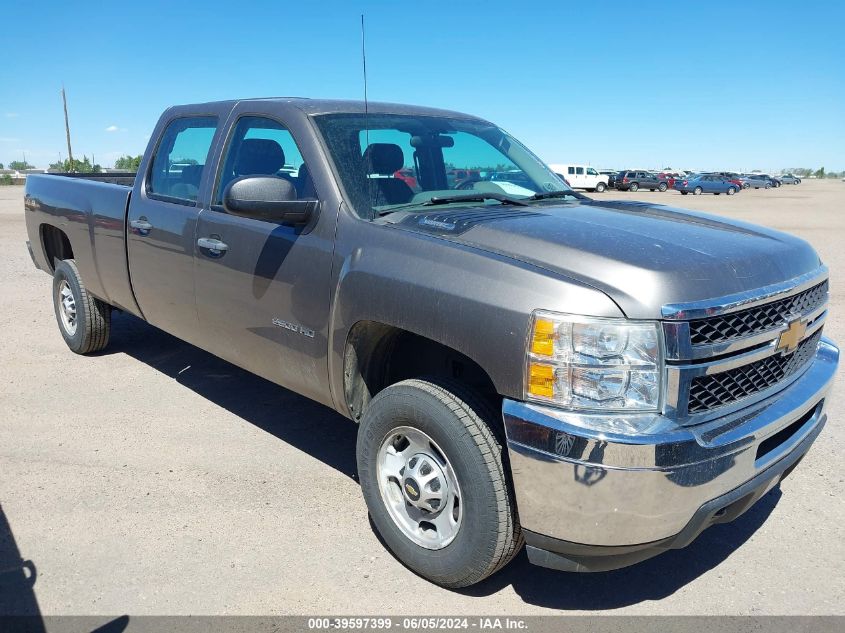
column 364, row 63
column 67, row 132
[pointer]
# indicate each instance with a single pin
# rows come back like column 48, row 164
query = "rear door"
column 263, row 291
column 162, row 219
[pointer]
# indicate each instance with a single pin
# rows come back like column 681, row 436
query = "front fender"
column 475, row 302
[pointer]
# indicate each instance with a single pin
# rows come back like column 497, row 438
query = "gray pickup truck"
column 599, row 381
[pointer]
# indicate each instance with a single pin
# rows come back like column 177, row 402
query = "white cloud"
column 112, row 128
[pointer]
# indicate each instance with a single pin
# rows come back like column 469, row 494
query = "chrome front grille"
column 727, row 354
column 716, row 390
column 736, row 325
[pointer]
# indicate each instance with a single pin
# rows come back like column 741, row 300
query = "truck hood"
column 642, row 256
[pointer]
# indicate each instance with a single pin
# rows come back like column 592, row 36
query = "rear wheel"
column 601, row 187
column 634, row 186
column 697, row 191
column 84, row 321
column 433, row 475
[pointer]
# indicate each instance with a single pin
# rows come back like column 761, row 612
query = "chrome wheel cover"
column 67, row 307
column 419, row 488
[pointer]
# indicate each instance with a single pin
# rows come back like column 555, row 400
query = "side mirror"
column 267, row 198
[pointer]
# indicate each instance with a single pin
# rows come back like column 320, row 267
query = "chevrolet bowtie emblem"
column 792, row 336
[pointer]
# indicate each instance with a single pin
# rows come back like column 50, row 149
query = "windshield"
column 388, row 161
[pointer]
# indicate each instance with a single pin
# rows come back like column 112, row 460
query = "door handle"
column 141, row 225
column 214, row 246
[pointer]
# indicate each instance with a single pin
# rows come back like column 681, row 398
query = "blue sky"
column 714, row 86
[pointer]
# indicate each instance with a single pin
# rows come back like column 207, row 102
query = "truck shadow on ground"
column 330, row 437
column 294, row 419
column 652, row 579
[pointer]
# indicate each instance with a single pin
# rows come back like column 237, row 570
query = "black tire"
column 768, row 186
column 731, row 191
column 601, row 187
column 92, row 316
column 683, row 193
column 462, row 425
column 634, row 186
column 746, row 185
column 662, row 187
column 697, row 191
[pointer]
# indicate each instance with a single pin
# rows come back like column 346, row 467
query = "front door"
column 263, row 288
column 162, row 219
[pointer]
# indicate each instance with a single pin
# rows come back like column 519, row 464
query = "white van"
column 582, row 177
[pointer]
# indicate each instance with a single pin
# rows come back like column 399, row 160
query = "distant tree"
column 1, row 166
column 83, row 166
column 20, row 165
column 184, row 161
column 128, row 163
column 6, row 179
column 819, row 173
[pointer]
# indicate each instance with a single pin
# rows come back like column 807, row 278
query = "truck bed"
column 88, row 208
column 126, row 178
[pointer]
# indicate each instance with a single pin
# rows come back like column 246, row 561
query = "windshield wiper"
column 564, row 193
column 475, row 197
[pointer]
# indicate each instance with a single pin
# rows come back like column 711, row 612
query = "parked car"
column 756, row 181
column 670, row 177
column 707, row 183
column 614, row 371
column 790, row 179
column 633, row 180
column 776, row 182
column 582, row 177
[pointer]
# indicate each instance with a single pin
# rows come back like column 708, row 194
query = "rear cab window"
column 180, row 159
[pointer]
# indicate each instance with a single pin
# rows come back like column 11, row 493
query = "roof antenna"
column 364, row 61
column 366, row 103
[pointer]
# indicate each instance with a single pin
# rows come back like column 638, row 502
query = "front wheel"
column 731, row 191
column 662, row 187
column 600, row 188
column 84, row 321
column 433, row 476
column 697, row 191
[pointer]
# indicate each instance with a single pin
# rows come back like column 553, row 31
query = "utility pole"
column 67, row 131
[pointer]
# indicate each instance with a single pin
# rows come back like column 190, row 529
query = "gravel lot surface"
column 157, row 479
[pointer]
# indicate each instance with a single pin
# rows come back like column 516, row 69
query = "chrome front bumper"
column 579, row 488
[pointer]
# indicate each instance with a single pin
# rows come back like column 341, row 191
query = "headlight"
column 588, row 363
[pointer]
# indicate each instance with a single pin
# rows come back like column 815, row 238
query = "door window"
column 260, row 146
column 579, row 171
column 592, row 172
column 180, row 159
column 570, row 171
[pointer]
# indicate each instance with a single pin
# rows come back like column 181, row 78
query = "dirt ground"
column 157, row 479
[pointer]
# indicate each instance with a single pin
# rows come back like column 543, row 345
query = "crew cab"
column 596, row 381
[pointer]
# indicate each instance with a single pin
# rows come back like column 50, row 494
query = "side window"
column 579, row 171
column 570, row 171
column 592, row 172
column 259, row 146
column 180, row 158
